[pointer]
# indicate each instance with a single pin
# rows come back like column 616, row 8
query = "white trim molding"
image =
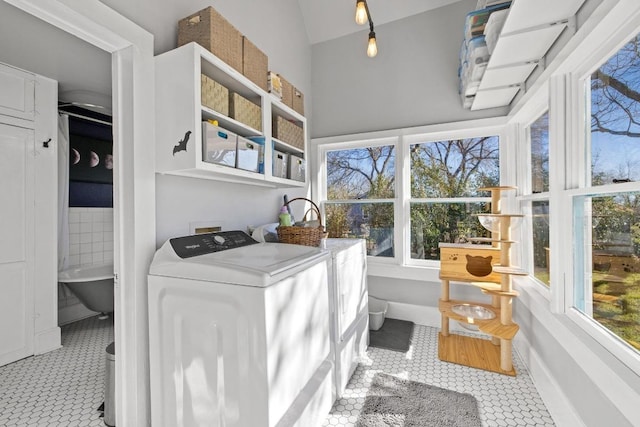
column 134, row 182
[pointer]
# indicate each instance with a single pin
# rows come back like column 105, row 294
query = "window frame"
column 321, row 189
column 525, row 196
column 402, row 266
column 570, row 105
column 425, row 138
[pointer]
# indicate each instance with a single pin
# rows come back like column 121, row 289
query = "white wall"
column 276, row 27
column 90, row 242
column 413, row 80
column 90, row 236
column 182, row 202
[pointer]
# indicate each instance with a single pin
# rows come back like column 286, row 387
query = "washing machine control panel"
column 202, row 244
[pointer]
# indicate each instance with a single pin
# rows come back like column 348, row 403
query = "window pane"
column 614, row 297
column 433, row 223
column 370, row 221
column 615, row 113
column 361, row 173
column 454, row 168
column 540, row 227
column 539, row 137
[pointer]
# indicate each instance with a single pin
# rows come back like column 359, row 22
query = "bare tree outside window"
column 355, row 175
column 448, row 170
column 615, row 217
column 615, row 117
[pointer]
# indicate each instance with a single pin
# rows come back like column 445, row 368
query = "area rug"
column 394, row 402
column 393, row 335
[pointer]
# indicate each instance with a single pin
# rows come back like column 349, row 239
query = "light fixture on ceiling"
column 361, row 12
column 372, row 47
column 362, row 16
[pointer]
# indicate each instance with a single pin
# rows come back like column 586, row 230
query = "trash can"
column 110, row 386
column 377, row 313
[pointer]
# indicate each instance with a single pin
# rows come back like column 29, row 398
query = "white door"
column 16, row 243
column 17, row 94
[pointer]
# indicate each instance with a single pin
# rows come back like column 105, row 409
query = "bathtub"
column 92, row 285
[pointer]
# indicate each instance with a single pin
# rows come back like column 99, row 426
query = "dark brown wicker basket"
column 299, row 235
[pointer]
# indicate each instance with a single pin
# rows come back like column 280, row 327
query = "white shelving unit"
column 531, row 28
column 179, row 110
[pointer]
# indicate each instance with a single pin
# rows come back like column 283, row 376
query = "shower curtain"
column 63, row 192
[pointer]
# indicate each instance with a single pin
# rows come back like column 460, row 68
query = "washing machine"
column 239, row 333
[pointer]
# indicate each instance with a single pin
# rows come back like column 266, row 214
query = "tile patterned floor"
column 503, row 400
column 65, row 387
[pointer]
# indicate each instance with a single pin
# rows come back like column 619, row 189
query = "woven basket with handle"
column 300, row 235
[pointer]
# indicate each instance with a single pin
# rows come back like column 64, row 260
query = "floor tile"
column 503, row 400
column 65, row 387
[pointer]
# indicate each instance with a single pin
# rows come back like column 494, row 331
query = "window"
column 406, row 192
column 360, row 196
column 535, row 199
column 539, row 140
column 609, row 265
column 607, row 212
column 615, row 118
column 540, row 240
column 445, row 180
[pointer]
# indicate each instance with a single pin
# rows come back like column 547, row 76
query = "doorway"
column 131, row 49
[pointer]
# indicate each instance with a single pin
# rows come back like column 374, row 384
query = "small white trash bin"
column 377, row 312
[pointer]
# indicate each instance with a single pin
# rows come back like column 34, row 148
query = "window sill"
column 427, row 274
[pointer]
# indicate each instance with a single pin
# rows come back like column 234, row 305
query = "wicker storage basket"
column 298, row 100
column 213, row 32
column 288, row 132
column 275, row 84
column 299, row 235
column 214, row 95
column 255, row 64
column 287, row 92
column 245, row 111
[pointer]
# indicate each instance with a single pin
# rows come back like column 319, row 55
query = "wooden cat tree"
column 487, row 266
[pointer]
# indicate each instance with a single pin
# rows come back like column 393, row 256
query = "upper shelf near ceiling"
column 530, row 28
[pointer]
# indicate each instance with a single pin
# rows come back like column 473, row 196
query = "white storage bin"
column 494, row 27
column 377, row 313
column 248, row 157
column 218, row 145
column 296, row 168
column 280, row 164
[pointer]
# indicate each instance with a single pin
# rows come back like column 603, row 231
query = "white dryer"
column 348, row 295
column 239, row 333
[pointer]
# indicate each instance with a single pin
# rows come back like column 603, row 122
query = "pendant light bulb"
column 372, row 48
column 361, row 12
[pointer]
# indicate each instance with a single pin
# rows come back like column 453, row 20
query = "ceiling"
column 84, row 71
column 330, row 19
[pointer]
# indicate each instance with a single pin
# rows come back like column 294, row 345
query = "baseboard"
column 46, row 341
column 418, row 314
column 557, row 404
column 73, row 313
